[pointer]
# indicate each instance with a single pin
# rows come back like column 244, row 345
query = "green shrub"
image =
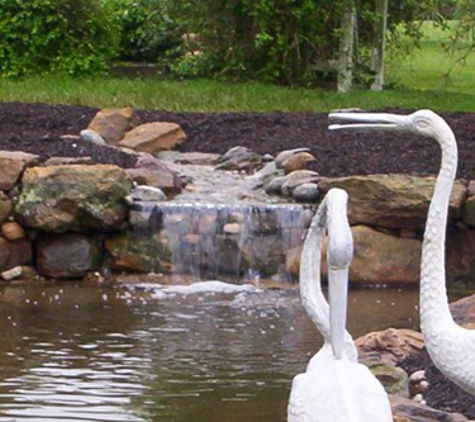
column 54, row 36
column 284, row 41
column 147, row 32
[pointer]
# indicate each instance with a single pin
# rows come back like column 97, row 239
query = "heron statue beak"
column 363, row 121
column 338, row 298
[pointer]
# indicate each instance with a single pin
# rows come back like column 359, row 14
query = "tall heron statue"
column 335, row 387
column 451, row 347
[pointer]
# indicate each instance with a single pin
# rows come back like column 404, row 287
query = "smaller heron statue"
column 335, row 387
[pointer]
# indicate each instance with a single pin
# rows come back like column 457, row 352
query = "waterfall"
column 224, row 241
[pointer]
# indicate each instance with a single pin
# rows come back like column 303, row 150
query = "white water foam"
column 212, row 287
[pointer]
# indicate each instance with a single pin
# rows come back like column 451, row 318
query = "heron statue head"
column 422, row 122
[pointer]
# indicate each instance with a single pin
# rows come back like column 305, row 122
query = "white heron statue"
column 335, row 387
column 451, row 347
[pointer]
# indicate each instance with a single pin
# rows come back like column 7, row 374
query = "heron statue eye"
column 422, row 123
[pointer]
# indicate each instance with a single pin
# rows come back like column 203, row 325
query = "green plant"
column 43, row 36
column 147, row 31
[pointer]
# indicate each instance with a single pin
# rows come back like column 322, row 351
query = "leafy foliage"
column 291, row 42
column 64, row 36
column 270, row 40
column 147, row 31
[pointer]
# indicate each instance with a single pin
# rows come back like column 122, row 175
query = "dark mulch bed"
column 36, row 128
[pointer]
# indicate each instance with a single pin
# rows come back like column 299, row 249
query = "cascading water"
column 231, row 241
column 222, row 228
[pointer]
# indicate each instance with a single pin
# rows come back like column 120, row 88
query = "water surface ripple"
column 74, row 352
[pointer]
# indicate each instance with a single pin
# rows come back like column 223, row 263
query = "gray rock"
column 67, row 255
column 274, row 186
column 409, row 410
column 196, row 158
column 306, row 192
column 296, row 178
column 89, row 135
column 239, row 159
column 144, row 193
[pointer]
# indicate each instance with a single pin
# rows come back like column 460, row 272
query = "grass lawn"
column 419, row 83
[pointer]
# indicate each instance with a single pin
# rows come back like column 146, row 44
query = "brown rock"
column 152, row 172
column 298, row 161
column 11, row 171
column 5, row 206
column 12, row 231
column 379, row 258
column 25, row 157
column 12, row 165
column 14, row 253
column 390, row 346
column 113, row 123
column 394, row 201
column 153, row 137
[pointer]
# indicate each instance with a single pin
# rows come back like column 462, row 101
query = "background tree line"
column 291, row 42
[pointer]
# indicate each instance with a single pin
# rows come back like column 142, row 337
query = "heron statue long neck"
column 331, row 216
column 434, row 305
column 450, row 346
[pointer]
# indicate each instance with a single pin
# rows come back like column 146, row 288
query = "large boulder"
column 113, row 123
column 12, row 165
column 153, row 137
column 67, row 255
column 74, row 197
column 382, row 258
column 392, row 200
column 379, row 258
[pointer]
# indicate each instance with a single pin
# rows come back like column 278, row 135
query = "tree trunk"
column 377, row 65
column 345, row 57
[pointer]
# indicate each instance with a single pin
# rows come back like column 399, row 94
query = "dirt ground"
column 37, row 127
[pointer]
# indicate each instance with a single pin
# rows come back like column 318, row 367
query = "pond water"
column 79, row 352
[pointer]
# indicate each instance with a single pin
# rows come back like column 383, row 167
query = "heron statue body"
column 335, row 387
column 450, row 346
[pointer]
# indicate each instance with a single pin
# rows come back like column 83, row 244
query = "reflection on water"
column 82, row 353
